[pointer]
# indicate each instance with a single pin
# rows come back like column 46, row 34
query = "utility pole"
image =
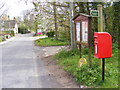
column 72, row 32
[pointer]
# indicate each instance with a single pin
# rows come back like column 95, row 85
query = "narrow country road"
column 20, row 66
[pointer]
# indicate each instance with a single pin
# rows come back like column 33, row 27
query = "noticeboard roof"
column 81, row 14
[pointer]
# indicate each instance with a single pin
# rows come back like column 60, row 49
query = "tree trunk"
column 72, row 32
column 55, row 19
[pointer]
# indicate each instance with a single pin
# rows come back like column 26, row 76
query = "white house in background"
column 10, row 25
column 1, row 25
column 16, row 28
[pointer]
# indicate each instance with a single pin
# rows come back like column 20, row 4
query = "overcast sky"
column 16, row 7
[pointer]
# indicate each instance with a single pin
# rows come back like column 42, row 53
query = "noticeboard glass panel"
column 78, row 31
column 84, row 31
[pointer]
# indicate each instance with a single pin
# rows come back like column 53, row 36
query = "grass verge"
column 38, row 35
column 85, row 75
column 50, row 42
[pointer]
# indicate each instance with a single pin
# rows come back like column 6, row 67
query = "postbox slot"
column 95, row 36
column 96, row 42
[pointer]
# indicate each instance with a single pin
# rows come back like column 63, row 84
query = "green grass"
column 50, row 42
column 39, row 35
column 0, row 39
column 85, row 75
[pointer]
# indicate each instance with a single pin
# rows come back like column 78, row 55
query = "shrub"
column 12, row 33
column 50, row 34
column 64, row 35
column 92, row 75
column 3, row 39
column 22, row 29
column 39, row 33
column 0, row 39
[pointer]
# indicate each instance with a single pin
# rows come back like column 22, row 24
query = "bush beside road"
column 6, row 35
column 0, row 39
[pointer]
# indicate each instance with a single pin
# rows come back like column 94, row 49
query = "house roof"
column 82, row 15
column 9, row 23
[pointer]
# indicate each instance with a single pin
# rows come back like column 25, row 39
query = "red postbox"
column 102, row 45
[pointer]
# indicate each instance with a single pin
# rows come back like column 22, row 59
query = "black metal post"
column 103, row 69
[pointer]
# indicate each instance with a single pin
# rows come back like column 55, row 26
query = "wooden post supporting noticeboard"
column 90, row 40
column 80, row 45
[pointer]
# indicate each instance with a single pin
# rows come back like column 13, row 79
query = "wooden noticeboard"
column 83, row 31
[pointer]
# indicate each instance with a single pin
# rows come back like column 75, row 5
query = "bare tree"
column 2, row 9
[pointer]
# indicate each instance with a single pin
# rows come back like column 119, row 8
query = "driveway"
column 21, row 67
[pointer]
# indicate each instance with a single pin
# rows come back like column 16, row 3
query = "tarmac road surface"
column 20, row 67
